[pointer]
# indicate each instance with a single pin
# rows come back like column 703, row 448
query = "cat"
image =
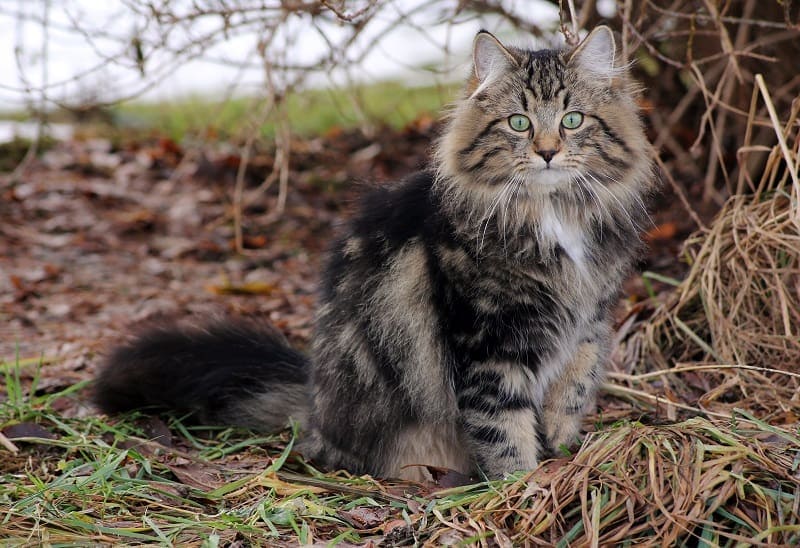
column 464, row 316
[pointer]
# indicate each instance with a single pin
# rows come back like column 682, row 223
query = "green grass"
column 93, row 480
column 14, row 115
column 309, row 113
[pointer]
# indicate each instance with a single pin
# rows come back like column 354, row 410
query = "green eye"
column 519, row 122
column 572, row 120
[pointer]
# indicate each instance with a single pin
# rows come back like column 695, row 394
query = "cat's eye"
column 519, row 122
column 572, row 120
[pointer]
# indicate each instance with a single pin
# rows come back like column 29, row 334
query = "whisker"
column 488, row 217
column 628, row 216
column 603, row 209
column 515, row 184
column 635, row 196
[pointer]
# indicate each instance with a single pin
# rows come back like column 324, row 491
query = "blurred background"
column 150, row 63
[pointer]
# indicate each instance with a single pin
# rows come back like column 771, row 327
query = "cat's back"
column 389, row 219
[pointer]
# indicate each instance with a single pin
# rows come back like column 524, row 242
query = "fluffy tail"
column 231, row 372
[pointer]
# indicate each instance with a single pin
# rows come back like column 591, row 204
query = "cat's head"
column 548, row 124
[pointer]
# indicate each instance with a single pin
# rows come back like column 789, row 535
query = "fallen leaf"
column 393, row 524
column 664, row 231
column 449, row 538
column 247, row 288
column 156, row 430
column 199, row 476
column 285, row 488
column 255, row 242
column 135, row 221
column 398, row 533
column 169, row 146
column 365, row 517
column 446, row 478
column 28, row 430
column 334, row 132
column 17, row 282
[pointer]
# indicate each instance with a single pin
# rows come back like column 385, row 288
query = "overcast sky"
column 69, row 54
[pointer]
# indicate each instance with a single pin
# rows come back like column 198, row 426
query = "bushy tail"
column 233, row 372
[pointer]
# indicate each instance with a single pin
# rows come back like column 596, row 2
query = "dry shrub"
column 698, row 60
column 739, row 307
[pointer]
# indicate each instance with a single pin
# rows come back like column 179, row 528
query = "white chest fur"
column 568, row 236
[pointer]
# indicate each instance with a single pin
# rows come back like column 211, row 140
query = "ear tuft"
column 597, row 53
column 490, row 56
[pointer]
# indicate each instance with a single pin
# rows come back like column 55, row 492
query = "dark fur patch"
column 478, row 140
column 611, row 134
column 487, row 434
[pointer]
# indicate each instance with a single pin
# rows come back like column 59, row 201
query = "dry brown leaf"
column 28, row 430
column 246, row 288
column 365, row 517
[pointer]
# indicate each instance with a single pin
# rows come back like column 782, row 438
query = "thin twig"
column 685, row 368
column 678, row 190
column 41, row 110
column 571, row 36
column 617, row 390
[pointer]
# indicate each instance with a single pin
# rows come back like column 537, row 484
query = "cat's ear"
column 490, row 57
column 597, row 53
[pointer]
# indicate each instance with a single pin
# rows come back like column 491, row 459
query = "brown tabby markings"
column 464, row 316
column 526, row 202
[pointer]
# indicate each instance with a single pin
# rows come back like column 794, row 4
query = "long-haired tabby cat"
column 464, row 315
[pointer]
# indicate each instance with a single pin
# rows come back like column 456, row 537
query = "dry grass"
column 728, row 336
column 694, row 481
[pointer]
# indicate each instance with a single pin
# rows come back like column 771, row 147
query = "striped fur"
column 464, row 315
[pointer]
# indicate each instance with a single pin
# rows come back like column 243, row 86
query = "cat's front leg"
column 570, row 393
column 500, row 418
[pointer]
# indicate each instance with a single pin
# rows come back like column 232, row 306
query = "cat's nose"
column 547, row 154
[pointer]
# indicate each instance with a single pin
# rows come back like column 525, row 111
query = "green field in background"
column 309, row 112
